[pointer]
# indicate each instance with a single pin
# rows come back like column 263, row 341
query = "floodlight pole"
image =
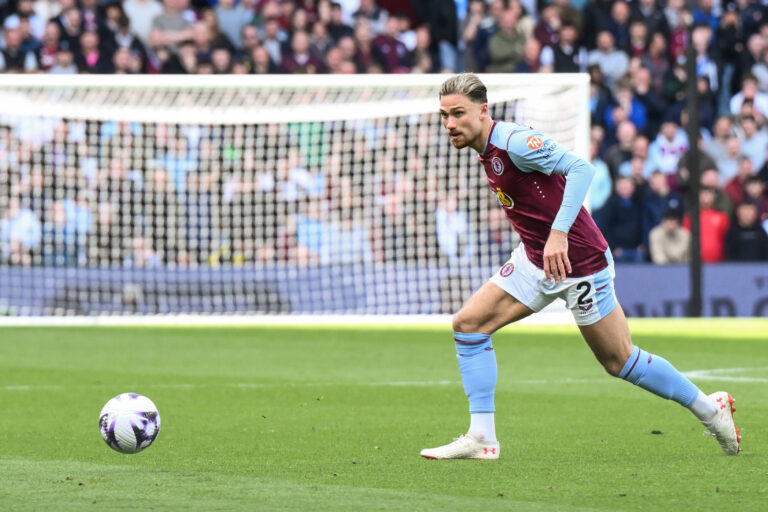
column 694, row 181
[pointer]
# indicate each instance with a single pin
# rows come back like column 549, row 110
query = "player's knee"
column 462, row 322
column 613, row 366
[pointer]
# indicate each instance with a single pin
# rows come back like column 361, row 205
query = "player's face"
column 463, row 119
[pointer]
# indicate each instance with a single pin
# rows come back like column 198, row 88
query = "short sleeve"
column 531, row 151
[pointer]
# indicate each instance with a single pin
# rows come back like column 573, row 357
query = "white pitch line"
column 714, row 374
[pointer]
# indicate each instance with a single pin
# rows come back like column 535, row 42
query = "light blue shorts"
column 589, row 298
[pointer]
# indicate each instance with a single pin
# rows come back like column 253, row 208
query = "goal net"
column 145, row 195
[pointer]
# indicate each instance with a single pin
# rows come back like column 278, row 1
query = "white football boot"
column 467, row 446
column 722, row 426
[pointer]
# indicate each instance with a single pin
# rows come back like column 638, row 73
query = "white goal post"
column 252, row 195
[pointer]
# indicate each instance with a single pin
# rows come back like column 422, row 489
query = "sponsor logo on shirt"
column 497, row 165
column 547, row 148
column 506, row 270
column 533, row 142
column 503, row 199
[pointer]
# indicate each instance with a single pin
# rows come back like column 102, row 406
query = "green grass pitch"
column 333, row 418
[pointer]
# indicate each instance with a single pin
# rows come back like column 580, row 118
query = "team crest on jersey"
column 497, row 165
column 506, row 270
column 503, row 199
column 533, row 142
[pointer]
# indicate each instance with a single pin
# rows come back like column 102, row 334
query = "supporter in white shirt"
column 669, row 146
column 142, row 13
column 749, row 91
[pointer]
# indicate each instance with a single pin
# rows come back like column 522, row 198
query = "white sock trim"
column 482, row 424
column 703, row 408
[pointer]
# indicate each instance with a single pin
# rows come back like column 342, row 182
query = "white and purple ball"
column 129, row 423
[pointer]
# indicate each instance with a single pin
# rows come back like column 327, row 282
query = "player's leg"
column 610, row 341
column 489, row 309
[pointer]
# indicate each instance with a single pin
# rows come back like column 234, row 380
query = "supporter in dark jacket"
column 658, row 200
column 621, row 223
column 746, row 239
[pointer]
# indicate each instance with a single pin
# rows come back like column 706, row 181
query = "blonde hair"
column 466, row 84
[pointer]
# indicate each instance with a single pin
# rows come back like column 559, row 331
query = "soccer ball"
column 129, row 423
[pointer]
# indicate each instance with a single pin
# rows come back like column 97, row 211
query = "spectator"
column 547, row 29
column 656, row 61
column 619, row 26
column 632, row 109
column 728, row 164
column 376, row 16
column 747, row 58
column 677, row 17
column 469, row 28
column 659, row 198
column 249, row 39
column 506, row 46
column 25, row 9
column 320, row 40
column 172, row 26
column 597, row 15
column 749, row 91
column 94, row 57
column 336, row 27
column 746, row 240
column 441, row 18
column 142, row 14
column 261, row 62
column 300, row 59
column 71, row 22
column 221, row 60
column 613, row 62
column 681, row 180
column 652, row 16
column 453, row 231
column 735, row 188
column 729, row 39
column 487, row 29
column 721, row 130
column 65, row 61
column 274, row 39
column 638, row 39
column 621, row 151
column 20, row 234
column 531, row 62
column 124, row 38
column 621, row 222
column 601, row 185
column 600, row 98
column 669, row 146
column 566, row 56
column 232, row 18
column 393, row 55
column 753, row 141
column 755, row 194
column 714, row 225
column 669, row 241
column 365, row 58
column 644, row 92
column 424, row 51
column 50, row 47
column 13, row 58
column 218, row 38
column 639, row 156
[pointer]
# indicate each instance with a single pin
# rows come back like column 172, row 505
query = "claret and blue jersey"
column 527, row 173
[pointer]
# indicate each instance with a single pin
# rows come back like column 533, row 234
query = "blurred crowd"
column 634, row 52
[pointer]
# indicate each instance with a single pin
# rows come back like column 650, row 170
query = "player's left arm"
column 533, row 152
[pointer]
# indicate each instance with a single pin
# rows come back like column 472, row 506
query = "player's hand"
column 556, row 262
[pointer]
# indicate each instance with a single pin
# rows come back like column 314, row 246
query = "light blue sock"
column 656, row 375
column 477, row 363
